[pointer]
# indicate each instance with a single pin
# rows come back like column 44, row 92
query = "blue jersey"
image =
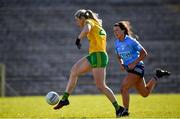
column 128, row 49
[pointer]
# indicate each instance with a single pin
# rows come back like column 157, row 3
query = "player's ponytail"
column 88, row 14
column 126, row 26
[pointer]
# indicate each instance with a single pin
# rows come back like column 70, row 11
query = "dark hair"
column 126, row 26
column 88, row 14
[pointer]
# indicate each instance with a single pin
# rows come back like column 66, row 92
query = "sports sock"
column 116, row 106
column 65, row 96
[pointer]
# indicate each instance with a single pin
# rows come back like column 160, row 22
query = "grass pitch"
column 91, row 106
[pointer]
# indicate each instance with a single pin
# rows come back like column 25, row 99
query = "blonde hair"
column 88, row 14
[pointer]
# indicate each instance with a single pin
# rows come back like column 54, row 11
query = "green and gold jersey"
column 96, row 37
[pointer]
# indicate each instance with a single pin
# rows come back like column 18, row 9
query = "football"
column 52, row 98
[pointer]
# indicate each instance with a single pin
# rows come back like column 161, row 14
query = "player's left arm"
column 142, row 54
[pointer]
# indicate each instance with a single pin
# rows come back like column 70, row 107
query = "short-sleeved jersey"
column 96, row 37
column 128, row 49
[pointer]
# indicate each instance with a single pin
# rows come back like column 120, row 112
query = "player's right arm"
column 122, row 68
column 86, row 29
column 120, row 61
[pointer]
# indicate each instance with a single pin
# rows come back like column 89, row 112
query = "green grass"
column 91, row 106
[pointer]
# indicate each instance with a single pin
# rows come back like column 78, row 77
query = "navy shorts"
column 139, row 70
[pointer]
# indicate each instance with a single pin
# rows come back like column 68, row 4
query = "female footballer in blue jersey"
column 130, row 55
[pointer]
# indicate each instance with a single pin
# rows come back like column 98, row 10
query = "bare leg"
column 151, row 84
column 99, row 75
column 79, row 68
column 82, row 66
column 127, row 83
column 144, row 89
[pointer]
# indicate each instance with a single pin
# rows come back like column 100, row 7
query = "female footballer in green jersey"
column 95, row 62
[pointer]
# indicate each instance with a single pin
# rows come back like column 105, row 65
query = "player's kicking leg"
column 80, row 67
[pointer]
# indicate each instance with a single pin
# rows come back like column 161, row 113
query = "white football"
column 52, row 98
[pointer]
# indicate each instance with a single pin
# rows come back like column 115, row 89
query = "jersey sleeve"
column 136, row 45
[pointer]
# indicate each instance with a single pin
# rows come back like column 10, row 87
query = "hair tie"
column 86, row 14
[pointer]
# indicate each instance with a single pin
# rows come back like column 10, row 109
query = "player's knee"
column 145, row 95
column 74, row 71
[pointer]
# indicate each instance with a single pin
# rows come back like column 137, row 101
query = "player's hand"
column 78, row 43
column 131, row 66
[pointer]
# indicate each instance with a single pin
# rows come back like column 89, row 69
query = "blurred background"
column 37, row 39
